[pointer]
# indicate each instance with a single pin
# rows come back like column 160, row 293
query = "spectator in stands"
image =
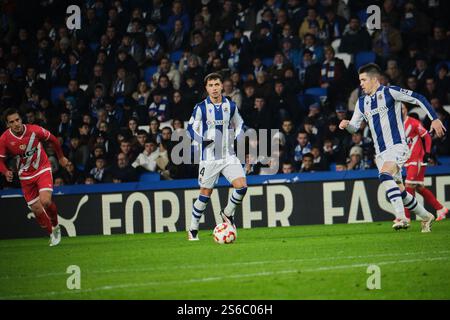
column 237, row 59
column 431, row 91
column 311, row 20
column 355, row 38
column 303, row 146
column 387, row 42
column 123, row 85
column 167, row 68
column 310, row 43
column 292, row 54
column 439, row 45
column 158, row 107
column 154, row 132
column 231, row 92
column 147, row 158
column 178, row 39
column 394, row 73
column 355, row 161
column 334, row 24
column 98, row 172
column 78, row 152
column 261, row 116
column 307, row 163
column 263, row 40
column 443, row 79
column 122, row 171
column 153, row 52
column 309, row 70
column 70, row 174
column 287, row 167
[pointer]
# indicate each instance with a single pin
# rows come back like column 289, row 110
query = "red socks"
column 411, row 191
column 53, row 214
column 429, row 197
column 44, row 221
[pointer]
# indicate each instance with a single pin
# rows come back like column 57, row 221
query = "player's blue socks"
column 393, row 194
column 197, row 211
column 412, row 205
column 234, row 201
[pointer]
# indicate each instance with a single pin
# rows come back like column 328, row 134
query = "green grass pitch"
column 305, row 262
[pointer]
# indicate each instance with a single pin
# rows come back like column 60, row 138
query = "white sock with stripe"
column 197, row 211
column 234, row 201
column 394, row 194
column 412, row 205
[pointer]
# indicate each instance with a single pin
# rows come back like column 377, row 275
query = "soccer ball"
column 224, row 233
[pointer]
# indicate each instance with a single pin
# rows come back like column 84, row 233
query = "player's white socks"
column 393, row 194
column 197, row 210
column 412, row 205
column 234, row 201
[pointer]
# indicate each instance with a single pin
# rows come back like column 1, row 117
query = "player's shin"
column 53, row 213
column 415, row 207
column 235, row 199
column 197, row 211
column 43, row 220
column 393, row 194
column 429, row 197
column 411, row 191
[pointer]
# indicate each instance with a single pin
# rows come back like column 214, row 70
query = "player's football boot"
column 193, row 235
column 441, row 214
column 426, row 224
column 55, row 236
column 400, row 224
column 227, row 219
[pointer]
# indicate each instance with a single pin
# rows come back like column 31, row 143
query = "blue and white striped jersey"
column 383, row 113
column 221, row 123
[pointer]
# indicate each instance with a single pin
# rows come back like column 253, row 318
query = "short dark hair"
column 8, row 112
column 371, row 68
column 213, row 76
column 308, row 155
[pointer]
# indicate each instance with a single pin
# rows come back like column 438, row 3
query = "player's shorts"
column 32, row 187
column 209, row 171
column 415, row 173
column 398, row 153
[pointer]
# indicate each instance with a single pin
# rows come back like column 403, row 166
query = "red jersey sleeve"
column 421, row 130
column 2, row 147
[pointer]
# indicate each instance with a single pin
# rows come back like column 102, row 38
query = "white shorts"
column 399, row 154
column 209, row 171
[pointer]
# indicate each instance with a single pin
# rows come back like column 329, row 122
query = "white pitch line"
column 128, row 286
column 231, row 264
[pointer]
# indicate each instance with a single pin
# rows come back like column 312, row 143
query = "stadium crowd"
column 138, row 64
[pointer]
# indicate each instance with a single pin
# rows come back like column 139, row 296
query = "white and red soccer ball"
column 224, row 233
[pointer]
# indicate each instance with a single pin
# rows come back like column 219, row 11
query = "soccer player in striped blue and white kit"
column 214, row 125
column 381, row 108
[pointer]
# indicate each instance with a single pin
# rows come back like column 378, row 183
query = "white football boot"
column 400, row 224
column 426, row 224
column 193, row 235
column 55, row 236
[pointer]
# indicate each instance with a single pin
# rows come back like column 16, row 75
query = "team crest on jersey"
column 380, row 97
column 225, row 109
column 22, row 147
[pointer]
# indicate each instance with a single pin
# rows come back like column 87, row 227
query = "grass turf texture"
column 306, row 262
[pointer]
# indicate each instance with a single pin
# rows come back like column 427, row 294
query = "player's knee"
column 385, row 176
column 46, row 202
column 242, row 191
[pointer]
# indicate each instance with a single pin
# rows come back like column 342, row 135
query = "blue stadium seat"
column 55, row 92
column 176, row 56
column 228, row 36
column 332, row 166
column 305, row 100
column 317, row 91
column 364, row 57
column 267, row 62
column 94, row 46
column 149, row 72
column 150, row 177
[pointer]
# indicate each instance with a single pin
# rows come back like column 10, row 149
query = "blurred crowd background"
column 114, row 91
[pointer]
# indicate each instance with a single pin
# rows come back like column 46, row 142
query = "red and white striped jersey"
column 414, row 132
column 28, row 150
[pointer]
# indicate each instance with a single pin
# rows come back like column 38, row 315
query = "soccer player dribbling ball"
column 381, row 108
column 24, row 141
column 417, row 163
column 214, row 125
